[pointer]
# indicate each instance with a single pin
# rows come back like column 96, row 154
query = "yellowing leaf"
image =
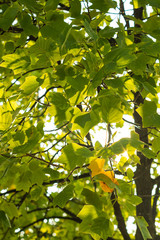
column 96, row 166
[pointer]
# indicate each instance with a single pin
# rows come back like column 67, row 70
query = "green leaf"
column 92, row 198
column 30, row 85
column 19, row 136
column 28, row 146
column 75, row 8
column 36, row 192
column 122, row 145
column 138, row 65
column 135, row 200
column 111, row 109
column 42, row 46
column 103, row 5
column 56, row 27
column 66, row 36
column 38, row 177
column 119, row 146
column 64, row 196
column 33, row 165
column 87, row 214
column 5, row 119
column 78, row 83
column 130, row 174
column 4, row 220
column 51, row 4
column 89, row 30
column 88, row 211
column 142, row 224
column 101, row 226
column 156, row 145
column 24, row 181
column 149, row 88
column 85, row 121
column 53, row 174
column 31, row 5
column 148, row 153
column 10, row 209
column 126, row 58
column 85, row 152
column 9, row 16
column 27, row 25
column 154, row 3
column 72, row 156
column 59, row 100
column 149, row 115
column 17, row 62
column 151, row 26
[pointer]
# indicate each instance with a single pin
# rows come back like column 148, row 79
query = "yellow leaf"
column 104, row 186
column 96, row 166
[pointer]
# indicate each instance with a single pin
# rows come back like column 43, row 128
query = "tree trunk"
column 143, row 179
column 142, row 175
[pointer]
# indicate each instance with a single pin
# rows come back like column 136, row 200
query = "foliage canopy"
column 68, row 68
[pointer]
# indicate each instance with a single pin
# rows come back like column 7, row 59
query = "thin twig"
column 43, row 160
column 47, row 218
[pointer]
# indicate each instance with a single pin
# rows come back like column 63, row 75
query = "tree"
column 67, row 70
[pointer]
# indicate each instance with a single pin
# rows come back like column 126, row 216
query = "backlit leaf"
column 30, row 85
column 5, row 119
column 149, row 114
column 85, row 121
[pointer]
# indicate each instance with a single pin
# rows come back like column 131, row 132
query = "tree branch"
column 63, row 7
column 23, row 74
column 71, row 214
column 13, row 29
column 122, row 11
column 156, row 180
column 43, row 160
column 8, row 192
column 62, row 180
